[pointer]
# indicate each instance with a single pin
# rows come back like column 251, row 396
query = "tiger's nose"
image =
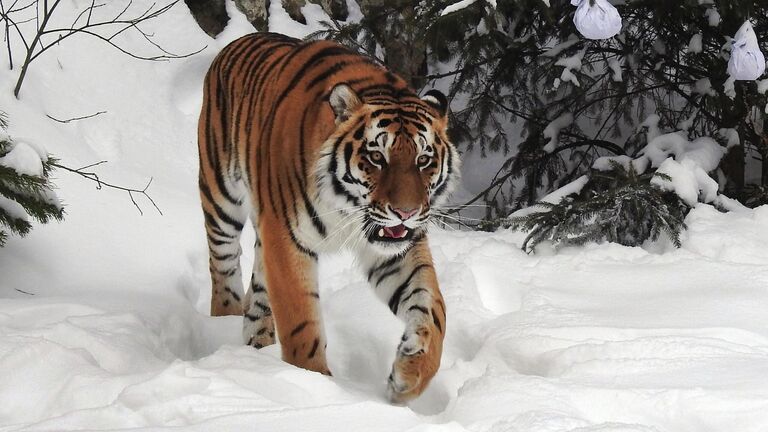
column 405, row 214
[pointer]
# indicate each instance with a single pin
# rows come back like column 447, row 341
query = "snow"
column 552, row 131
column 703, row 86
column 104, row 326
column 570, row 64
column 691, row 183
column 713, row 17
column 704, row 151
column 13, row 209
column 689, row 167
column 729, row 87
column 762, row 86
column 695, row 45
column 652, row 124
column 731, row 136
column 459, row 5
column 23, row 159
column 555, row 197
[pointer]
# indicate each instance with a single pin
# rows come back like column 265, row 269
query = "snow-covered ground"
column 103, row 320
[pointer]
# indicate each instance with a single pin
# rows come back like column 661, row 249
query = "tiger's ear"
column 436, row 100
column 344, row 102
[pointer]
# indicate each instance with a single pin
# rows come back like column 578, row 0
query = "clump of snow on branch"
column 731, row 137
column 570, row 64
column 652, row 124
column 600, row 20
column 685, row 163
column 729, row 87
column 552, row 131
column 747, row 62
column 704, row 152
column 762, row 86
column 695, row 45
column 704, row 87
column 23, row 159
column 463, row 4
column 713, row 17
column 554, row 197
column 13, row 209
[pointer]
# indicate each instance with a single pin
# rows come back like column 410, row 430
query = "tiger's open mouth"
column 397, row 233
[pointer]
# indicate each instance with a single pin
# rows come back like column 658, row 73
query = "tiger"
column 323, row 149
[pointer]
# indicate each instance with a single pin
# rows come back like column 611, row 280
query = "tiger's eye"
column 376, row 157
column 423, row 160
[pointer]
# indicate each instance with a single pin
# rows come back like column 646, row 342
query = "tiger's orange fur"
column 322, row 148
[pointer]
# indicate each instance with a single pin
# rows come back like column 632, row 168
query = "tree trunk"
column 211, row 15
column 256, row 11
column 404, row 43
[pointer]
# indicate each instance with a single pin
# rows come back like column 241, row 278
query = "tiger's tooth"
column 405, row 233
column 381, row 232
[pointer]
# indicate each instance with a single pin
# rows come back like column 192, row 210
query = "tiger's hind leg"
column 258, row 323
column 224, row 219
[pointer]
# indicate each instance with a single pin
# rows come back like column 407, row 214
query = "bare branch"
column 106, row 30
column 92, row 176
column 75, row 118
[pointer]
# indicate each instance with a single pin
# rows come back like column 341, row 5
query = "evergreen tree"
column 24, row 194
column 618, row 205
column 515, row 68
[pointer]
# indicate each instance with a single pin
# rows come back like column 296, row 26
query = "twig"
column 24, row 292
column 100, row 183
column 75, row 118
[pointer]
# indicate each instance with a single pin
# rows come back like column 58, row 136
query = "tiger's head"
column 389, row 161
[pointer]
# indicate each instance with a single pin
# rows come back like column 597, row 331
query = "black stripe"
column 394, row 301
column 418, row 308
column 262, row 306
column 313, row 216
column 338, row 188
column 386, row 275
column 312, row 254
column 412, row 293
column 224, row 257
column 226, row 218
column 234, row 294
column 436, row 321
column 314, row 348
column 299, row 328
column 388, row 263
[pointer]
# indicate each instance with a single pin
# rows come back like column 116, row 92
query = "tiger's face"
column 391, row 163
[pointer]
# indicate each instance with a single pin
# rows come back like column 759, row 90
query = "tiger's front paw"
column 417, row 361
column 258, row 332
